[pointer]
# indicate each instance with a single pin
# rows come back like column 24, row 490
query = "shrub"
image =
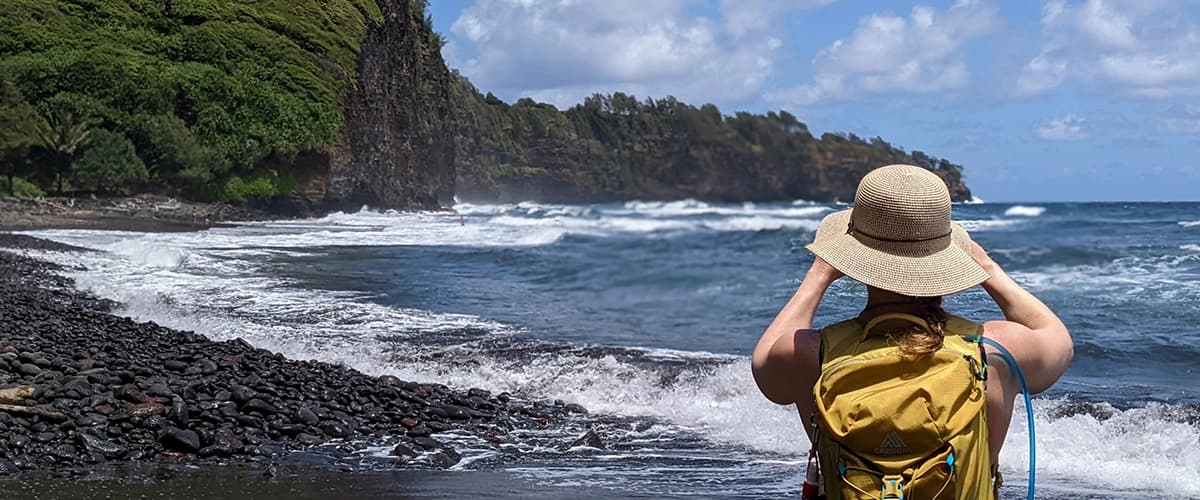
column 108, row 163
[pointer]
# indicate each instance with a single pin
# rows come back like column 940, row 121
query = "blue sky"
column 1040, row 101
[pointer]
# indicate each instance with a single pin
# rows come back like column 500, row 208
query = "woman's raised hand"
column 984, row 260
column 823, row 273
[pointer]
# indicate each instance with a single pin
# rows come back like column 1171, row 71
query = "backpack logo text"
column 892, row 444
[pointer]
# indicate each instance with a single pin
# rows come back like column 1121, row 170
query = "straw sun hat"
column 899, row 236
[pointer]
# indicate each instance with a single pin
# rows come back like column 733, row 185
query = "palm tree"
column 61, row 133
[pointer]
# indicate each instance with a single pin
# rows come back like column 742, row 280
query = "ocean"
column 645, row 313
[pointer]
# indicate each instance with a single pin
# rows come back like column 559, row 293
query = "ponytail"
column 918, row 342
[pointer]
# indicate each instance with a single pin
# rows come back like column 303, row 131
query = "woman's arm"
column 782, row 368
column 1033, row 333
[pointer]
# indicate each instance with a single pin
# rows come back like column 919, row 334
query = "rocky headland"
column 311, row 106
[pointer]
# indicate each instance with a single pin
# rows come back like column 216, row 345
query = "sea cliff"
column 307, row 106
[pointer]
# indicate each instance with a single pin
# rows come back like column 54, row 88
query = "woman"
column 900, row 242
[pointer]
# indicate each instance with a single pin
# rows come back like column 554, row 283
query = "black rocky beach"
column 82, row 390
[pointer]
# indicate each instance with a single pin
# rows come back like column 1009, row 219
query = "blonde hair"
column 918, row 342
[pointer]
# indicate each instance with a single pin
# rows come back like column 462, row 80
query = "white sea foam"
column 693, row 208
column 523, row 224
column 1190, row 248
column 1136, row 450
column 1189, row 223
column 1024, row 211
column 1156, row 278
column 987, row 224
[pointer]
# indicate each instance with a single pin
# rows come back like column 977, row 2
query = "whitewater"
column 645, row 312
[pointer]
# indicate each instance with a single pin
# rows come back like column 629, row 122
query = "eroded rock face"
column 397, row 149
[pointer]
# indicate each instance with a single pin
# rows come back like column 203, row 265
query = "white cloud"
column 563, row 50
column 1070, row 127
column 888, row 53
column 1147, row 48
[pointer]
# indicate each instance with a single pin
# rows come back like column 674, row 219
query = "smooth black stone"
column 427, row 443
column 207, row 367
column 29, row 369
column 185, row 441
column 445, row 458
column 250, row 421
column 175, row 366
column 334, row 429
column 252, row 380
column 456, row 412
column 228, row 410
column 306, row 416
column 160, row 390
column 210, row 417
column 106, row 448
column 226, row 439
column 217, row 450
column 178, row 412
column 590, row 439
column 288, row 429
column 260, row 406
column 405, row 451
column 241, row 394
column 419, row 431
column 80, row 386
column 307, row 439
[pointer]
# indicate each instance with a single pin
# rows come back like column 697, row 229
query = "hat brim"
column 893, row 267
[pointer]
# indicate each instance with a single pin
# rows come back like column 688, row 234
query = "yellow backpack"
column 891, row 427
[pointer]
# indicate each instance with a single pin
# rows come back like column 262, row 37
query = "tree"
column 64, row 127
column 108, row 162
column 17, row 117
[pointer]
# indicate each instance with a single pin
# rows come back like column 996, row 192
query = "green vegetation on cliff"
column 614, row 147
column 348, row 102
column 203, row 92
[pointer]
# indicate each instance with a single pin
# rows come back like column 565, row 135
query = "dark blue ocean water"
column 645, row 313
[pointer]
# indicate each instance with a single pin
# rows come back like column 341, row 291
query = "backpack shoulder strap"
column 837, row 337
column 961, row 326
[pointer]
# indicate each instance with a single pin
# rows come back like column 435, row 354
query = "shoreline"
column 143, row 213
column 97, row 389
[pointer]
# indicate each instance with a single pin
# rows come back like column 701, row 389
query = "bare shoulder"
column 1043, row 356
column 1006, row 332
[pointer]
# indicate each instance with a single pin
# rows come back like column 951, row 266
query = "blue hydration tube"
column 1012, row 363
